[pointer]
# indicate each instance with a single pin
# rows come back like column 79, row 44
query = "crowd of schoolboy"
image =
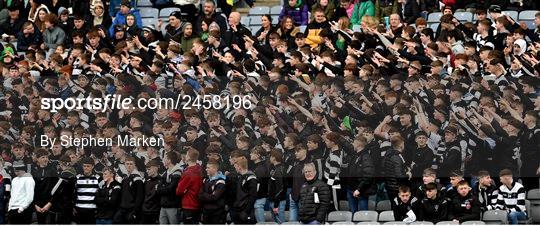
column 443, row 122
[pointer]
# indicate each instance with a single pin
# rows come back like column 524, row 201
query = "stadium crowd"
column 367, row 103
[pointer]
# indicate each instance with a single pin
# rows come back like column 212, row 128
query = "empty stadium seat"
column 259, row 10
column 464, row 16
column 495, row 217
column 165, row 12
column 276, row 10
column 245, row 20
column 303, row 28
column 434, row 27
column 423, row 223
column 395, row 223
column 149, row 12
column 530, row 24
column 384, row 205
column 367, row 223
column 372, row 205
column 267, row 223
column 473, row 223
column 342, row 223
column 527, row 14
column 528, row 208
column 534, row 197
column 368, row 215
column 336, row 216
column 448, row 223
column 512, row 14
column 255, row 20
column 149, row 21
column 254, row 29
column 144, row 3
column 386, row 216
column 434, row 17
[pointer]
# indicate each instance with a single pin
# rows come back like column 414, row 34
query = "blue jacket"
column 121, row 19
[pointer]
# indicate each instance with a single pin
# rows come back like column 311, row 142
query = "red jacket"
column 189, row 186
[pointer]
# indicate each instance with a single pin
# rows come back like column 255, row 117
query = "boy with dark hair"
column 246, row 194
column 168, row 213
column 405, row 206
column 511, row 197
column 485, row 191
column 132, row 195
column 151, row 205
column 86, row 189
column 465, row 206
column 433, row 208
column 212, row 195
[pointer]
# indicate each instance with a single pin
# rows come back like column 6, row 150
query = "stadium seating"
column 292, row 223
column 529, row 218
column 336, row 216
column 344, row 205
column 423, row 223
column 276, row 10
column 149, row 13
column 473, row 223
column 386, row 216
column 464, row 16
column 342, row 223
column 267, row 223
column 259, row 10
column 366, row 216
column 275, row 19
column 245, row 20
column 434, row 27
column 384, row 205
column 448, row 223
column 255, row 20
column 165, row 12
column 367, row 223
column 303, row 28
column 495, row 217
column 434, row 17
column 268, row 216
column 527, row 14
column 512, row 14
column 372, row 205
column 144, row 3
column 395, row 223
column 149, row 21
column 534, row 197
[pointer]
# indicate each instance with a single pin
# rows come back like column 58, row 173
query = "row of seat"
column 387, row 223
column 468, row 16
column 147, row 12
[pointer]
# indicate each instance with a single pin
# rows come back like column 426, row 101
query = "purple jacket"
column 299, row 15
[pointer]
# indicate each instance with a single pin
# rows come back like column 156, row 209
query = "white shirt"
column 22, row 192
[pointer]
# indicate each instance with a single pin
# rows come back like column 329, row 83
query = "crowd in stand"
column 443, row 123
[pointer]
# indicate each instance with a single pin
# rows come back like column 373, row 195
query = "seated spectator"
column 511, row 198
column 405, row 206
column 326, row 5
column 53, row 35
column 433, row 207
column 465, row 206
column 29, row 38
column 486, row 191
column 297, row 10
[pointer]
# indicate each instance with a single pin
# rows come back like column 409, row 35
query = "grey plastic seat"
column 534, row 210
column 384, row 205
column 395, row 223
column 291, row 223
column 342, row 223
column 165, row 12
column 464, row 16
column 336, row 216
column 144, row 3
column 422, row 223
column 386, row 216
column 255, row 20
column 529, row 218
column 268, row 216
column 495, row 217
column 267, row 223
column 434, row 17
column 434, row 26
column 367, row 223
column 149, row 12
column 473, row 223
column 149, row 21
column 372, row 205
column 259, row 10
column 276, row 10
column 447, row 223
column 275, row 19
column 513, row 14
column 363, row 216
column 527, row 14
column 245, row 20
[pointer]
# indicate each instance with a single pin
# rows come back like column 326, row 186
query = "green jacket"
column 362, row 8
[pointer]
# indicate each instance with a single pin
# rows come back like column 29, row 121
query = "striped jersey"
column 513, row 199
column 86, row 188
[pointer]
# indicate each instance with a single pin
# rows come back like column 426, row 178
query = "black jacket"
column 312, row 210
column 401, row 209
column 107, row 199
column 262, row 171
column 212, row 195
column 423, row 159
column 152, row 199
column 45, row 178
column 297, row 178
column 276, row 185
column 433, row 210
column 63, row 196
column 451, row 160
column 486, row 196
column 359, row 173
column 167, row 188
column 132, row 193
column 464, row 208
column 246, row 194
column 394, row 169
